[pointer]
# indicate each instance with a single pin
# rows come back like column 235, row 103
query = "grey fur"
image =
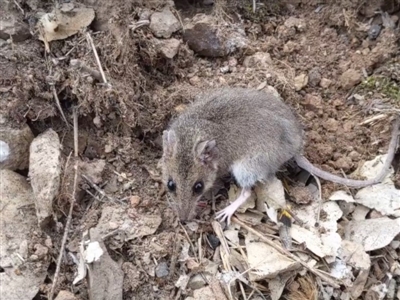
column 255, row 134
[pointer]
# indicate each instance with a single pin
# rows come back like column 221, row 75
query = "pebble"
column 374, row 31
column 349, row 79
column 297, row 23
column 65, row 295
column 312, row 102
column 45, row 163
column 354, row 156
column 14, row 146
column 325, row 83
column 258, row 60
column 197, row 282
column 314, row 77
column 12, row 28
column 300, row 82
column 206, row 38
column 169, row 48
column 162, row 270
column 163, row 24
column 41, row 251
column 202, row 38
column 134, row 201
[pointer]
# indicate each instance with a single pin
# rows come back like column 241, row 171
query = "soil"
column 122, row 124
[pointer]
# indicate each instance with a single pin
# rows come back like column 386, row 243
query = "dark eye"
column 171, row 185
column 198, row 187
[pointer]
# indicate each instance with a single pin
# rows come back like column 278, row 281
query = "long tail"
column 305, row 164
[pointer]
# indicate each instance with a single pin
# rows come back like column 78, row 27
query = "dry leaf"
column 64, row 22
column 373, row 234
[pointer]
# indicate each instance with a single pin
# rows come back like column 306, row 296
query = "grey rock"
column 169, row 48
column 205, row 38
column 162, row 270
column 197, row 282
column 10, row 27
column 14, row 146
column 65, row 295
column 45, row 162
column 314, row 77
column 258, row 59
column 163, row 24
column 350, row 78
column 374, row 31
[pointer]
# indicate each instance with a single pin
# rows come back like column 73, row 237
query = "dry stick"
column 316, row 272
column 58, row 104
column 190, row 241
column 19, row 7
column 99, row 190
column 90, row 40
column 319, row 200
column 67, row 225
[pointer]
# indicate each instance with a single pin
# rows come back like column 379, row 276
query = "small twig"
column 90, row 40
column 319, row 199
column 68, row 224
column 316, row 272
column 58, row 104
column 19, row 7
column 190, row 242
column 139, row 24
column 99, row 190
column 374, row 118
column 79, row 65
column 75, row 114
column 174, row 257
column 254, row 6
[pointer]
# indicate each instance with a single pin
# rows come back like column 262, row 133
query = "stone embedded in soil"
column 207, row 39
column 169, row 48
column 93, row 169
column 314, row 77
column 14, row 147
column 205, row 293
column 162, row 270
column 313, row 102
column 343, row 163
column 65, row 295
column 21, row 279
column 41, row 251
column 203, row 40
column 45, row 173
column 349, row 79
column 325, row 83
column 300, row 82
column 10, row 27
column 197, row 282
column 163, row 24
column 258, row 60
column 297, row 23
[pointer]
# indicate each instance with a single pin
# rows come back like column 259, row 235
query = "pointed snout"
column 187, row 212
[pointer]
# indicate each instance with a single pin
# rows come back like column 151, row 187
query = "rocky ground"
column 86, row 90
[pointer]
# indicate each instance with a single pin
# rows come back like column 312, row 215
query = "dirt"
column 123, row 124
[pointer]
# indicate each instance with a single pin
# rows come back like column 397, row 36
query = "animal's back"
column 246, row 123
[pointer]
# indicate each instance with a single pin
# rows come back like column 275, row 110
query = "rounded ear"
column 207, row 153
column 169, row 142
